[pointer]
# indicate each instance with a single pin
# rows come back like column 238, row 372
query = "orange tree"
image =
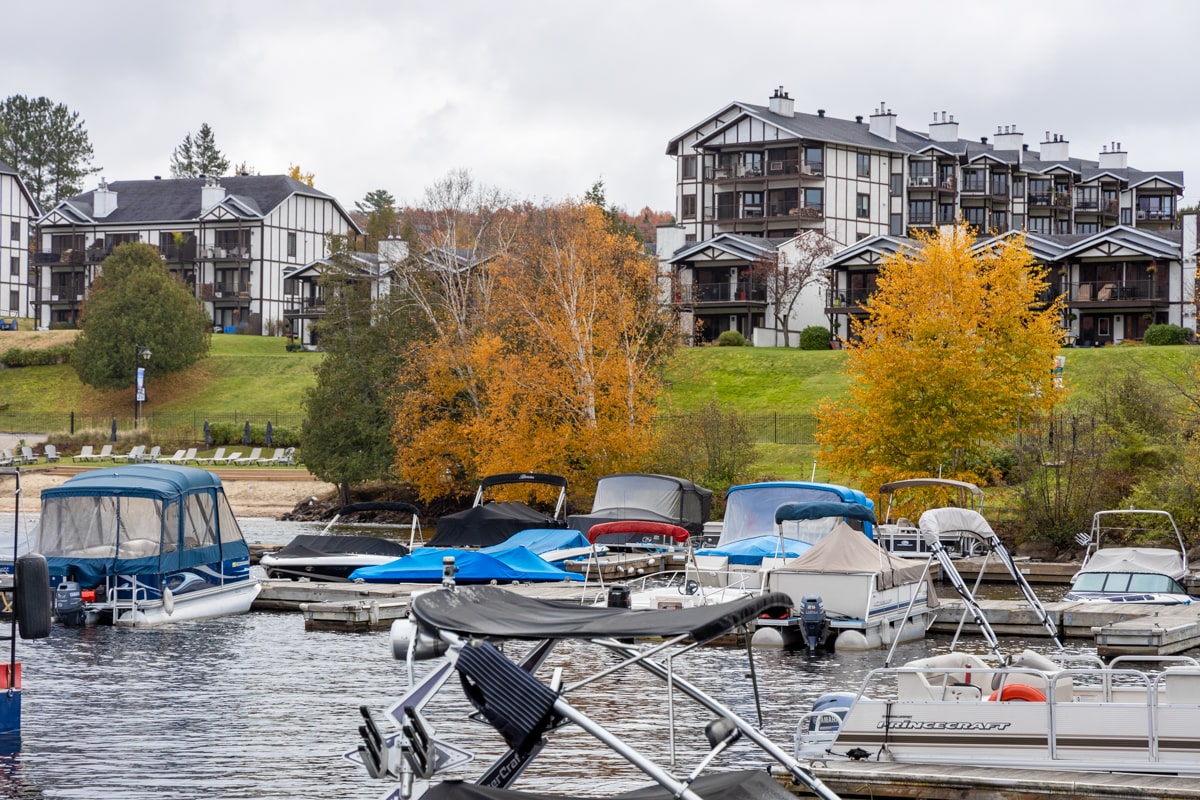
column 558, row 372
column 954, row 354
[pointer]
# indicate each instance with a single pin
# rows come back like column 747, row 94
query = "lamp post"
column 142, row 354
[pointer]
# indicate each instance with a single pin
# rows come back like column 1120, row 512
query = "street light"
column 144, row 354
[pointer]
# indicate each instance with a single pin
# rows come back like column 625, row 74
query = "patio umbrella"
column 267, row 438
column 246, row 433
column 114, row 429
column 207, row 435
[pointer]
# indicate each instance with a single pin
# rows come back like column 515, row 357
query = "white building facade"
column 18, row 213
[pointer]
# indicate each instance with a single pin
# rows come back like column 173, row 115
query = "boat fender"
column 1018, row 691
column 168, row 598
column 32, row 596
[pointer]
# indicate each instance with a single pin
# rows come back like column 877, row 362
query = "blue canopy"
column 472, row 566
column 756, row 548
column 821, row 510
column 540, row 540
column 140, row 519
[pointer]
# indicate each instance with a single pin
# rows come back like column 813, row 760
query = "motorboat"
column 1137, row 574
column 649, row 498
column 329, row 556
column 529, row 711
column 143, row 544
column 899, row 535
column 488, row 522
column 1025, row 710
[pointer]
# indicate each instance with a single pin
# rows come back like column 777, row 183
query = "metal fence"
column 783, row 428
column 181, row 425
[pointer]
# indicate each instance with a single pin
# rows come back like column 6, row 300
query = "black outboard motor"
column 813, row 620
column 68, row 604
column 619, row 596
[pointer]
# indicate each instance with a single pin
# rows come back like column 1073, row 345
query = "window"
column 1000, row 221
column 14, row 265
column 973, row 180
column 15, row 231
column 752, row 204
column 1155, row 207
column 1087, row 227
column 291, row 286
column 688, row 168
column 14, row 301
column 1039, row 225
column 920, row 212
column 815, row 199
column 945, row 213
column 1000, row 185
column 688, row 211
column 864, row 166
column 863, row 205
column 1018, row 221
column 896, row 225
column 1018, row 185
column 976, row 216
column 814, row 160
column 896, row 186
column 946, row 176
column 1102, row 326
column 292, row 245
column 920, row 174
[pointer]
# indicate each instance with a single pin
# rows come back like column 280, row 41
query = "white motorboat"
column 1147, row 575
column 898, row 534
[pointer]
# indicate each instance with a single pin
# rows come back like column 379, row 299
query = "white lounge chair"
column 180, row 457
column 279, row 451
column 253, row 458
column 135, row 454
column 6, row 458
column 105, row 452
column 51, row 453
column 231, row 458
column 216, row 458
column 289, row 458
column 153, row 456
column 85, row 454
column 27, row 455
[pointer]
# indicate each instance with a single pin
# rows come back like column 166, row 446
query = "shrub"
column 731, row 339
column 814, row 337
column 1167, row 334
column 42, row 357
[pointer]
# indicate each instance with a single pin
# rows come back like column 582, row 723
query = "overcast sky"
column 541, row 99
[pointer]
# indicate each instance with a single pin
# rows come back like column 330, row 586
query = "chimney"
column 1010, row 138
column 820, row 112
column 104, row 202
column 943, row 130
column 858, row 118
column 1055, row 148
column 782, row 104
column 883, row 123
column 1114, row 157
column 211, row 193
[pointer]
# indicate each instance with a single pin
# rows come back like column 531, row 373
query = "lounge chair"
column 27, row 456
column 85, row 454
column 153, row 456
column 135, row 454
column 279, row 451
column 231, row 458
column 105, row 452
column 289, row 458
column 180, row 457
column 253, row 458
column 51, row 453
column 216, row 458
column 6, row 458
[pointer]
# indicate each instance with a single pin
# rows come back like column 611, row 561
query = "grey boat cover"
column 938, row 523
column 493, row 612
column 846, row 551
column 648, row 497
column 1150, row 560
column 747, row 784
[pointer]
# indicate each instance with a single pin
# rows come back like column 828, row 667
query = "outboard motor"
column 619, row 596
column 813, row 620
column 834, row 702
column 68, row 604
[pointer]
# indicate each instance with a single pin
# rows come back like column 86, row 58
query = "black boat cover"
column 316, row 545
column 488, row 524
column 747, row 784
column 492, row 612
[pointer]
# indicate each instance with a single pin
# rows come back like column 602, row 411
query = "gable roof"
column 729, row 245
column 178, row 199
column 5, row 169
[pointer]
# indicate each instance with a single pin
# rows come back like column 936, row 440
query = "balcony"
column 174, row 252
column 921, row 182
column 225, row 253
column 225, row 290
column 920, row 219
column 698, row 294
column 1154, row 215
column 948, row 184
column 974, row 186
column 1138, row 291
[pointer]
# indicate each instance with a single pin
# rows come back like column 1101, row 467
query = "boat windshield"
column 1127, row 582
column 94, row 527
column 750, row 512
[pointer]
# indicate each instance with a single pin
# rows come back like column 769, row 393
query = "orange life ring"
column 1018, row 691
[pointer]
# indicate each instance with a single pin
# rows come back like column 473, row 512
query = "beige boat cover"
column 1154, row 560
column 846, row 551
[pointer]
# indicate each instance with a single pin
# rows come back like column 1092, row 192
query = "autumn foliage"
column 955, row 353
column 556, row 370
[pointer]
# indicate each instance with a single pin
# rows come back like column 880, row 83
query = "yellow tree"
column 955, row 353
column 295, row 173
column 563, row 376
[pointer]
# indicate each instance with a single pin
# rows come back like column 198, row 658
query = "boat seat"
column 138, row 548
column 952, row 676
column 1182, row 685
column 1028, row 659
column 714, row 570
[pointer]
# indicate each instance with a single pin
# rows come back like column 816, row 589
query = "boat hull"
column 220, row 601
column 331, row 568
column 10, row 700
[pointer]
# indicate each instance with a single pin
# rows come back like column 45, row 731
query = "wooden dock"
column 855, row 780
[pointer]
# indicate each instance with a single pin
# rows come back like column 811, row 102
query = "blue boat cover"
column 472, row 566
column 540, row 540
column 756, row 548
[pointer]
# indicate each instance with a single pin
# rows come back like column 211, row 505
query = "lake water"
column 254, row 706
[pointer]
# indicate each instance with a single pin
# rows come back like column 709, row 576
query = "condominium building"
column 230, row 240
column 770, row 172
column 18, row 211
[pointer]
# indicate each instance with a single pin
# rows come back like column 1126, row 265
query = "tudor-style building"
column 18, row 211
column 767, row 173
column 229, row 239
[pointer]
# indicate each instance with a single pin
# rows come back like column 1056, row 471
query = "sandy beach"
column 252, row 493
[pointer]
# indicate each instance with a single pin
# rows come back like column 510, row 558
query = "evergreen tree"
column 137, row 302
column 46, row 143
column 199, row 156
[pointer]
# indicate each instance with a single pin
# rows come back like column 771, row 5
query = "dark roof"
column 6, row 169
column 178, row 199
